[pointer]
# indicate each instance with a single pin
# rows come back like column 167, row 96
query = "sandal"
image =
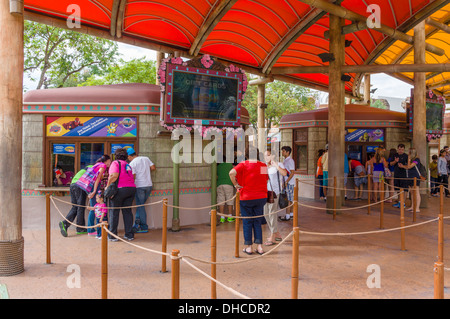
column 259, row 252
column 247, row 252
column 269, row 243
column 284, row 219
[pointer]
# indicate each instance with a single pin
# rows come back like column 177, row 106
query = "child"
column 100, row 213
column 434, row 176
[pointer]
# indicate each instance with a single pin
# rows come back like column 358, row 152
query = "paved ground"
column 331, row 267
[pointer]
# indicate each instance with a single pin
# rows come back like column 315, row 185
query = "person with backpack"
column 412, row 170
column 84, row 185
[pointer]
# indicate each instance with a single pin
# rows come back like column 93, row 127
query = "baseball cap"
column 130, row 151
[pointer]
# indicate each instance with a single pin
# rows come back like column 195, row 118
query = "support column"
column 420, row 111
column 367, row 88
column 11, row 85
column 262, row 141
column 159, row 57
column 336, row 111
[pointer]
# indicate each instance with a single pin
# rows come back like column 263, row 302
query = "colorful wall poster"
column 364, row 135
column 91, row 126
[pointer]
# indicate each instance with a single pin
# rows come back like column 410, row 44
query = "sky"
column 385, row 84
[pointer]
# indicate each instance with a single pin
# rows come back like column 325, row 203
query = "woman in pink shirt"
column 124, row 197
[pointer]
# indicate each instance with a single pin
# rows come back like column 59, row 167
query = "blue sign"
column 64, row 149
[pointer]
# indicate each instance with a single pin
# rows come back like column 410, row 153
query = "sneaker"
column 98, row 237
column 62, row 227
column 92, row 234
column 231, row 219
column 128, row 238
column 140, row 231
column 222, row 219
column 396, row 205
column 81, row 232
column 113, row 239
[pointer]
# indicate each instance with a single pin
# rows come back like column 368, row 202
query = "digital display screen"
column 204, row 97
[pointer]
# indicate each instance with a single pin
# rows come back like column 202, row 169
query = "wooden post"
column 382, row 203
column 441, row 226
column 48, row 227
column 213, row 253
column 334, row 197
column 438, row 280
column 175, row 274
column 419, row 139
column 414, row 199
column 402, row 218
column 295, row 208
column 369, row 188
column 439, row 265
column 11, row 86
column 104, row 261
column 295, row 262
column 159, row 57
column 262, row 142
column 237, row 225
column 336, row 107
column 367, row 88
column 164, row 235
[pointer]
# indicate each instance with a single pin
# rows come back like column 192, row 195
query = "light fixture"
column 326, row 57
column 346, row 77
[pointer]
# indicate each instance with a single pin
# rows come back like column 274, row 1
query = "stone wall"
column 317, row 139
column 32, row 150
column 394, row 136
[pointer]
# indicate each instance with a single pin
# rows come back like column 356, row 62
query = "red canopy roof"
column 258, row 34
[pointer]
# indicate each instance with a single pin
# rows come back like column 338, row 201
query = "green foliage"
column 133, row 71
column 282, row 98
column 56, row 57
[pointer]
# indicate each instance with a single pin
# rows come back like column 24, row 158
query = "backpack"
column 87, row 180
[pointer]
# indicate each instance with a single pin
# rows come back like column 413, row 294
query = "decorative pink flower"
column 206, row 61
column 177, row 60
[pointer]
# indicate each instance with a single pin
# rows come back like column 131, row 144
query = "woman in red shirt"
column 250, row 179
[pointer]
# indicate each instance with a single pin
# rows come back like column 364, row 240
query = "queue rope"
column 86, row 206
column 329, row 187
column 183, row 257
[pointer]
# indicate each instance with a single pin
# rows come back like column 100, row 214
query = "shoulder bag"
column 113, row 188
column 283, row 201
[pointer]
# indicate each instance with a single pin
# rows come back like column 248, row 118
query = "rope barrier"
column 184, row 257
column 85, row 206
column 349, row 208
column 204, row 207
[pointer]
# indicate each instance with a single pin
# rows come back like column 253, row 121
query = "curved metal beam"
column 214, row 17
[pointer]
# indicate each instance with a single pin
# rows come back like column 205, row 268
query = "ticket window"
column 63, row 164
column 90, row 153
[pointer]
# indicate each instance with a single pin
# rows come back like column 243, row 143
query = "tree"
column 57, row 57
column 281, row 98
column 133, row 71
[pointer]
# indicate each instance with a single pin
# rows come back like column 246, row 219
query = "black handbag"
column 113, row 188
column 283, row 201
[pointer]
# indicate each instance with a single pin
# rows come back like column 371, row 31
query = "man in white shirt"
column 289, row 180
column 142, row 167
